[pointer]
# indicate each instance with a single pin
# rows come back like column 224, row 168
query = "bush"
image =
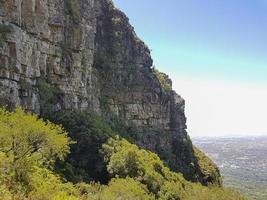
column 125, row 159
column 26, row 141
column 28, row 146
column 44, row 185
column 198, row 192
column 50, row 96
column 5, row 194
column 163, row 79
column 208, row 167
column 126, row 189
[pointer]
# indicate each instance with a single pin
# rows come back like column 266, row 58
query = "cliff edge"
column 84, row 55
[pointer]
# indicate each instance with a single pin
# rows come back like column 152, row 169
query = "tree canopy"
column 30, row 146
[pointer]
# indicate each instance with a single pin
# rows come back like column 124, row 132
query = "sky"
column 215, row 53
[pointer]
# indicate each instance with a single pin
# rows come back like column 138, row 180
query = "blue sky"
column 219, row 38
column 205, row 46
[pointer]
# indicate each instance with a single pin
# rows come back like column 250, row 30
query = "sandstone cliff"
column 84, row 55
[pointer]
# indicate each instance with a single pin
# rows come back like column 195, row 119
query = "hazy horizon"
column 215, row 53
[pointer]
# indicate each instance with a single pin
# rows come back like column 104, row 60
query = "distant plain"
column 242, row 161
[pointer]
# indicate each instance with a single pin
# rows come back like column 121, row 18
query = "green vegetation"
column 246, row 184
column 163, row 79
column 49, row 98
column 90, row 131
column 104, row 103
column 208, row 167
column 29, row 148
column 72, row 120
column 74, row 9
column 126, row 188
column 126, row 160
column 76, row 35
column 5, row 101
column 24, row 85
column 5, row 28
column 116, row 20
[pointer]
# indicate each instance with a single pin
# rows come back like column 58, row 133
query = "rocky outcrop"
column 83, row 54
column 129, row 88
column 51, row 41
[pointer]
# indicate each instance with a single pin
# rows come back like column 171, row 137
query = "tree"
column 26, row 141
column 44, row 185
column 125, row 159
column 29, row 147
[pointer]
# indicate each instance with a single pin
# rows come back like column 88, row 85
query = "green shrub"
column 208, row 167
column 74, row 9
column 163, row 79
column 198, row 192
column 44, row 185
column 50, row 96
column 5, row 194
column 28, row 141
column 4, row 30
column 27, row 144
column 171, row 190
column 24, row 84
column 126, row 189
column 125, row 159
column 116, row 20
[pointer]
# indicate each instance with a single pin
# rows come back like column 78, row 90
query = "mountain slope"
column 84, row 55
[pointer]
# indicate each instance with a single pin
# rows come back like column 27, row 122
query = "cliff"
column 84, row 55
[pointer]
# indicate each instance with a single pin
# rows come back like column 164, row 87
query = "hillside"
column 84, row 55
column 79, row 64
column 33, row 165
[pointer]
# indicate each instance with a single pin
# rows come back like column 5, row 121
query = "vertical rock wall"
column 87, row 50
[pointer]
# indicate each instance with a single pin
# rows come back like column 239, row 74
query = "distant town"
column 242, row 161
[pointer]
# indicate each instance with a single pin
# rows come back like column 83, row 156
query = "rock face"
column 84, row 54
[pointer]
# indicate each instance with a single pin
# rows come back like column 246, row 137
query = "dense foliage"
column 85, row 162
column 127, row 160
column 29, row 147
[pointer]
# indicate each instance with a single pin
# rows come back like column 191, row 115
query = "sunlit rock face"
column 84, row 54
column 51, row 41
